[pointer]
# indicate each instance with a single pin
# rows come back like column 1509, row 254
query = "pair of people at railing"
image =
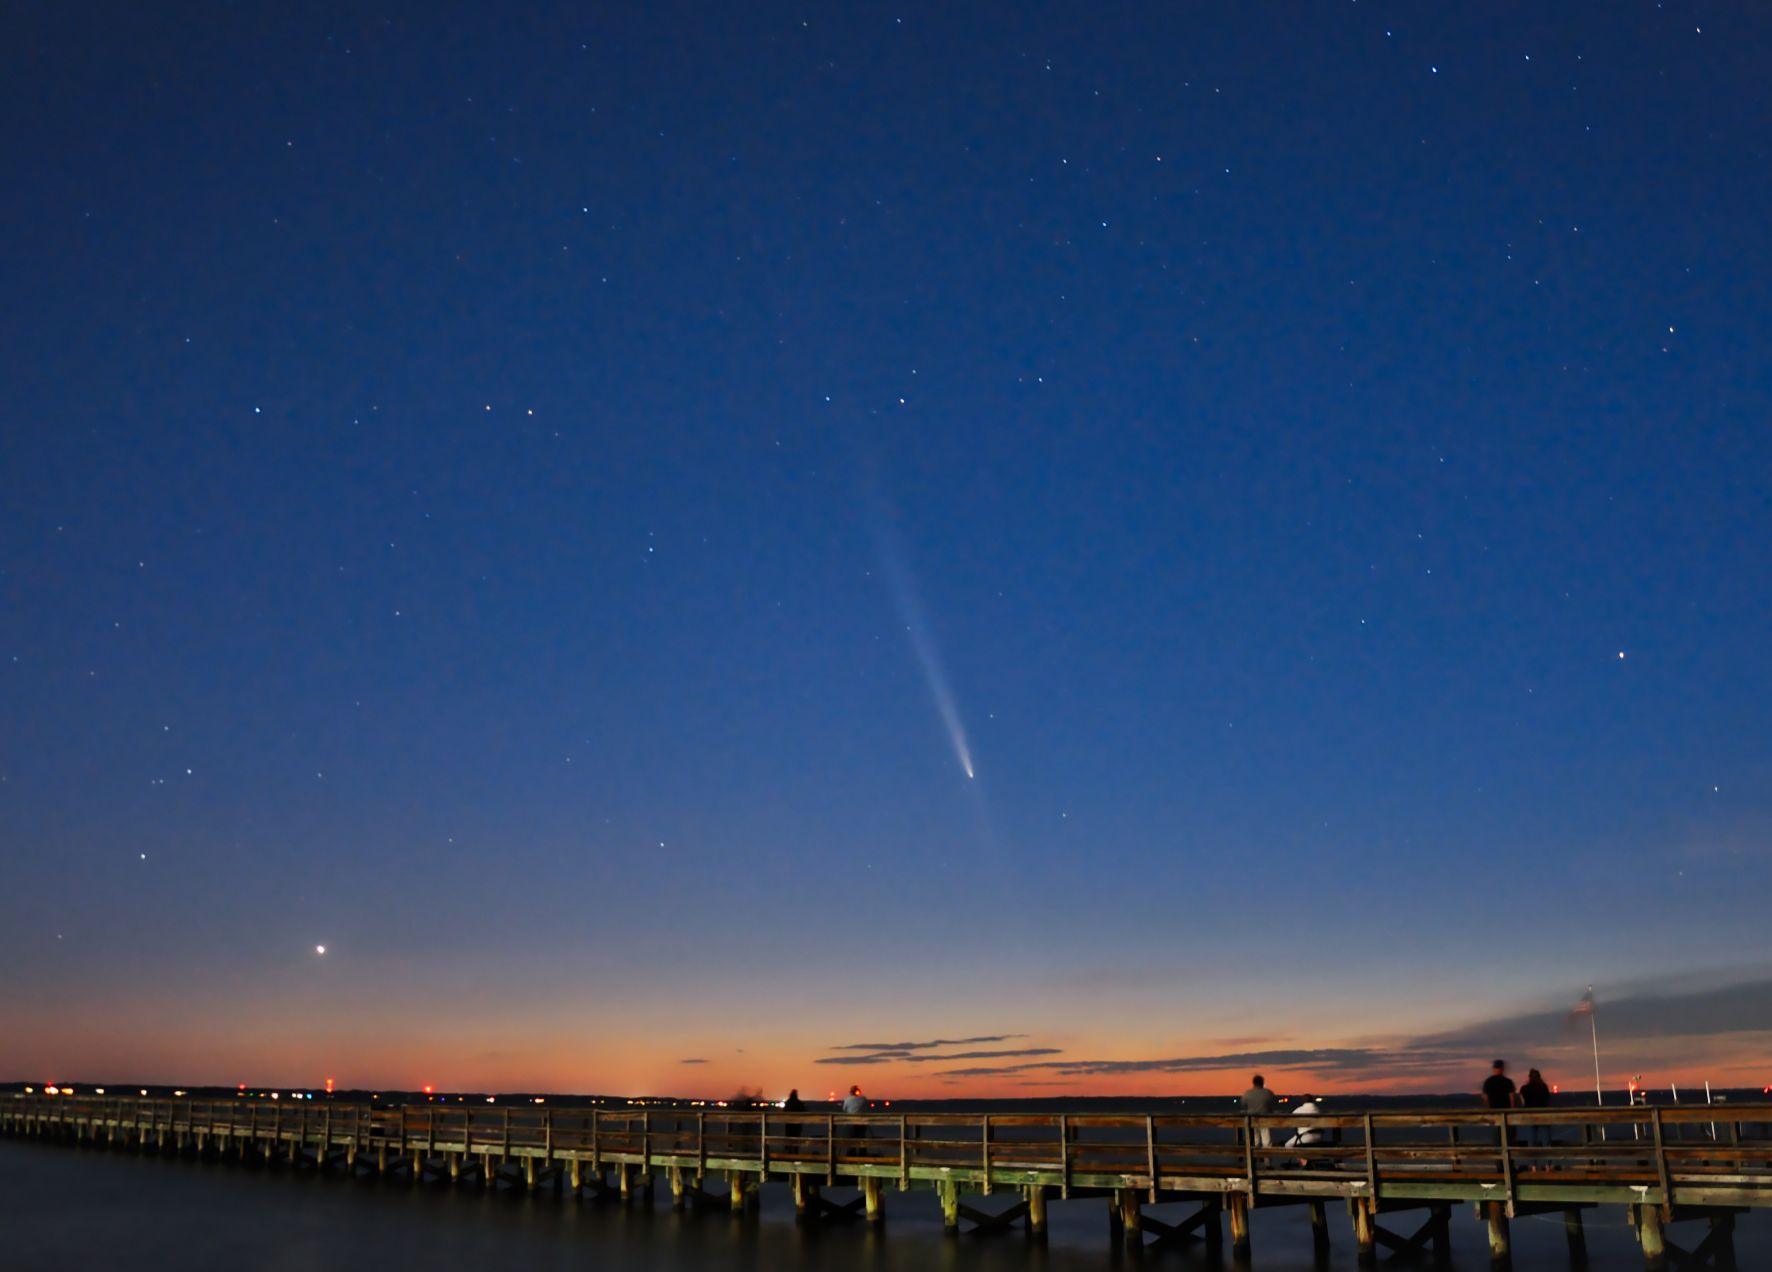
column 1499, row 1093
column 1258, row 1101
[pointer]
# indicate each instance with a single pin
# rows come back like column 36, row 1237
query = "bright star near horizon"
column 319, row 949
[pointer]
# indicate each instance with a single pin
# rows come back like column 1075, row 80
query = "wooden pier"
column 1675, row 1169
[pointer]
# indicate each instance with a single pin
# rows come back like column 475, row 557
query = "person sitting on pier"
column 1258, row 1101
column 1308, row 1136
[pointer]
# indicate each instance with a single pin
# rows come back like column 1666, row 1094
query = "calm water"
column 64, row 1207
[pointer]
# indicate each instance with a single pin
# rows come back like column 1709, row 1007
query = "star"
column 319, row 949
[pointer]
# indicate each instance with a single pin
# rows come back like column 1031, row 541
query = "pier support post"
column 1211, row 1229
column 1499, row 1250
column 529, row 1173
column 624, row 1177
column 1365, row 1230
column 678, row 1200
column 381, row 1159
column 875, row 1202
column 1577, row 1237
column 577, row 1169
column 455, row 1168
column 1649, row 1234
column 1037, row 1209
column 1319, row 1230
column 1131, row 1217
column 1722, row 1237
column 1239, row 1223
column 488, row 1170
column 949, row 1192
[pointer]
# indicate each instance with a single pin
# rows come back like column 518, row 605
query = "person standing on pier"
column 1258, row 1101
column 856, row 1102
column 793, row 1104
column 1536, row 1094
column 1498, row 1088
column 1498, row 1092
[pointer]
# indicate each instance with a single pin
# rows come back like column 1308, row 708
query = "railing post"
column 985, row 1140
column 1064, row 1157
column 1371, row 1160
column 1667, row 1192
column 1507, row 1159
column 1150, row 1153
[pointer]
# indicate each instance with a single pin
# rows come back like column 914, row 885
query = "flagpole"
column 1593, row 1025
column 1599, row 1095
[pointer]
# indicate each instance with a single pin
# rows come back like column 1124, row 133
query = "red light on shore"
column 428, row 1088
column 328, row 1086
column 1556, row 1088
column 242, row 1086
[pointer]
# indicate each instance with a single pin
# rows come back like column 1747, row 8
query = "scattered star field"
column 1131, row 528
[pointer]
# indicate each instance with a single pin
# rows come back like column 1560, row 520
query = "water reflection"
column 62, row 1206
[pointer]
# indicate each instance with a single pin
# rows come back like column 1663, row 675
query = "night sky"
column 1019, row 549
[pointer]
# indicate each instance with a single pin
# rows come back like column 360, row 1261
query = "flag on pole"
column 1583, row 1008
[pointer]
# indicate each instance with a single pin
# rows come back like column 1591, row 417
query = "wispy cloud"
column 693, row 1060
column 931, row 1045
column 926, row 1057
column 1672, row 1021
column 1319, row 1059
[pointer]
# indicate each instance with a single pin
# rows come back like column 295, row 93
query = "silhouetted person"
column 1258, row 1101
column 856, row 1102
column 1498, row 1088
column 793, row 1104
column 1536, row 1094
column 1498, row 1091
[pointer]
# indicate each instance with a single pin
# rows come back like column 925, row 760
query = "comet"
column 916, row 625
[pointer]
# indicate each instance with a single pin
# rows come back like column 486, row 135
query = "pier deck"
column 1665, row 1164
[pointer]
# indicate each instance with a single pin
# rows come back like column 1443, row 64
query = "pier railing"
column 1664, row 1164
column 1690, row 1154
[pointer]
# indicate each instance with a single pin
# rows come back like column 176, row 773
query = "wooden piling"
column 1239, row 1204
column 1036, row 1194
column 1499, row 1246
column 949, row 1192
column 876, row 1204
column 1576, row 1236
column 1365, row 1229
column 1319, row 1228
column 1131, row 1216
column 1649, row 1236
